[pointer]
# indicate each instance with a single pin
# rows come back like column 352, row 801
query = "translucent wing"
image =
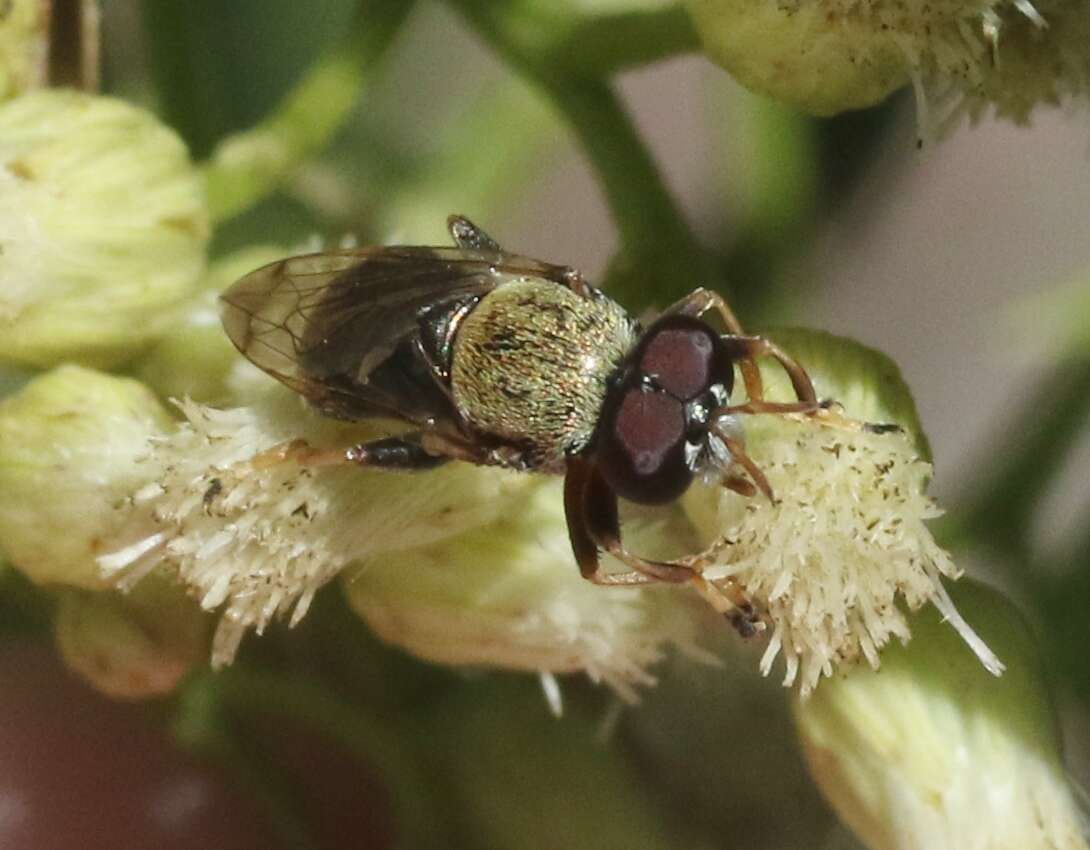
column 341, row 328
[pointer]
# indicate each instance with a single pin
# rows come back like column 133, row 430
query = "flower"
column 131, row 646
column 810, row 54
column 831, row 55
column 69, row 444
column 259, row 538
column 933, row 753
column 103, row 228
column 845, row 542
column 508, row 594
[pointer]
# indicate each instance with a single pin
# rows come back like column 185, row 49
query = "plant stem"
column 661, row 258
column 247, row 166
column 608, row 44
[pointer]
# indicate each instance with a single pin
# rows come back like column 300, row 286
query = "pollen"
column 844, row 552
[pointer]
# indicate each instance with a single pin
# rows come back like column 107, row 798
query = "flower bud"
column 24, row 34
column 69, row 444
column 508, row 594
column 844, row 544
column 132, row 646
column 816, row 55
column 102, row 228
column 826, row 56
column 932, row 753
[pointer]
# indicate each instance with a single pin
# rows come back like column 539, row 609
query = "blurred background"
column 956, row 260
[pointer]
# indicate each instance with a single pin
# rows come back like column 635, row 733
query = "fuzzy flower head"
column 845, row 545
column 508, row 594
column 459, row 565
column 255, row 537
column 103, row 228
column 827, row 56
column 932, row 753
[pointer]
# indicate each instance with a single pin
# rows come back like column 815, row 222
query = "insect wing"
column 340, row 327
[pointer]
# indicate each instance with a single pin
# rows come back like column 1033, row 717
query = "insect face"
column 654, row 423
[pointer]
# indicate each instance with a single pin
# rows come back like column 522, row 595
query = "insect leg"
column 404, row 452
column 748, row 348
column 700, row 301
column 739, row 454
column 583, row 543
column 593, row 525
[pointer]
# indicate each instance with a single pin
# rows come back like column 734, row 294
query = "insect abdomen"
column 531, row 363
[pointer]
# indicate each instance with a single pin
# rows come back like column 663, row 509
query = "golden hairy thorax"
column 531, row 363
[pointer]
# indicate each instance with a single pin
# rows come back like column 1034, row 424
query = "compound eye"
column 642, row 447
column 685, row 357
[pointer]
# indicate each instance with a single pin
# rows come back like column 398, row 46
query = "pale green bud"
column 810, row 54
column 845, row 545
column 103, row 228
column 932, row 753
column 70, row 445
column 194, row 358
column 132, row 646
column 24, row 34
column 827, row 56
column 508, row 594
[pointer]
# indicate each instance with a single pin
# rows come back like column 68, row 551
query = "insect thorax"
column 531, row 362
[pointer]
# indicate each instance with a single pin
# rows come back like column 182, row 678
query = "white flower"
column 960, row 55
column 932, row 753
column 103, row 228
column 843, row 547
column 259, row 540
column 70, row 441
column 135, row 645
column 508, row 594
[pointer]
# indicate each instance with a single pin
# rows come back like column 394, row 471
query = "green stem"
column 248, row 166
column 608, row 44
column 662, row 258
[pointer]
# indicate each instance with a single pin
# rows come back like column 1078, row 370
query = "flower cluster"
column 827, row 56
column 843, row 545
column 104, row 228
column 934, row 754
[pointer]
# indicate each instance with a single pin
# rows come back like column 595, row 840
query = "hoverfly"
column 502, row 360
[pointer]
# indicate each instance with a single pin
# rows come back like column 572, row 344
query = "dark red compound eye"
column 679, row 360
column 642, row 449
column 654, row 419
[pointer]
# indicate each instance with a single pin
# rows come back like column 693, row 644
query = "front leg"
column 747, row 348
column 590, row 506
